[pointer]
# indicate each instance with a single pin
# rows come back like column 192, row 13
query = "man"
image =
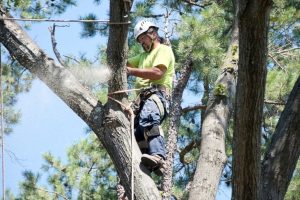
column 154, row 69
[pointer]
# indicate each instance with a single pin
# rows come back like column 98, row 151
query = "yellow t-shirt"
column 161, row 55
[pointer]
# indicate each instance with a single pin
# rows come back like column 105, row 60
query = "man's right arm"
column 154, row 73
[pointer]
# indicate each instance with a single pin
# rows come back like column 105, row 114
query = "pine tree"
column 200, row 46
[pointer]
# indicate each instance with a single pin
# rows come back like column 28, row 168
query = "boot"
column 153, row 163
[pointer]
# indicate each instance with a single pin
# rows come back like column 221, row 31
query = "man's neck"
column 156, row 43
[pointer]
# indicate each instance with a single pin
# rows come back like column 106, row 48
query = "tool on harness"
column 154, row 131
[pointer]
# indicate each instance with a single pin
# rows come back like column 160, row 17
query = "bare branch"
column 281, row 103
column 193, row 3
column 288, row 50
column 53, row 192
column 192, row 108
column 14, row 157
column 153, row 16
column 90, row 169
column 274, row 59
column 54, row 43
column 71, row 58
column 186, row 150
column 166, row 26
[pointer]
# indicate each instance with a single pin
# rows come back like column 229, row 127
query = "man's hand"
column 154, row 73
column 128, row 70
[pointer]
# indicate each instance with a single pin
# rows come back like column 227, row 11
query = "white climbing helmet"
column 143, row 26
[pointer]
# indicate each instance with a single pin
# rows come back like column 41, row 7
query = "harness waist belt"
column 162, row 88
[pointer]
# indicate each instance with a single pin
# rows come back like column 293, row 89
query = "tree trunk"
column 109, row 123
column 116, row 136
column 175, row 113
column 284, row 151
column 253, row 19
column 215, row 123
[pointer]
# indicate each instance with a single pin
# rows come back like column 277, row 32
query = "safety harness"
column 152, row 93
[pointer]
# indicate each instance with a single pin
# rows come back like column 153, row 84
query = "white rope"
column 132, row 141
column 129, row 109
column 2, row 129
column 65, row 20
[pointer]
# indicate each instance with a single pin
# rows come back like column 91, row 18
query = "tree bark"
column 115, row 134
column 175, row 113
column 253, row 19
column 109, row 123
column 215, row 123
column 58, row 79
column 284, row 151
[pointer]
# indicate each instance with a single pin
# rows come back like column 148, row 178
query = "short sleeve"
column 134, row 61
column 163, row 57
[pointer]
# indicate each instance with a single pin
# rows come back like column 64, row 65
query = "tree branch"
column 54, row 44
column 56, row 77
column 175, row 114
column 53, row 192
column 287, row 50
column 193, row 3
column 284, row 150
column 281, row 103
column 274, row 59
column 192, row 108
column 186, row 150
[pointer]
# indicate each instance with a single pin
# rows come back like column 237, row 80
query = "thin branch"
column 54, row 44
column 281, row 103
column 14, row 157
column 153, row 16
column 53, row 192
column 71, row 58
column 61, row 169
column 192, row 108
column 186, row 150
column 166, row 26
column 191, row 2
column 287, row 50
column 90, row 169
column 274, row 59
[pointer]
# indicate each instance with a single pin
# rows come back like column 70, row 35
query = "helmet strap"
column 152, row 42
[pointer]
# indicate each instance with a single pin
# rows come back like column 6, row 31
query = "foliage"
column 294, row 187
column 202, row 34
column 38, row 9
column 283, row 63
column 30, row 189
column 15, row 80
column 202, row 38
column 220, row 90
column 87, row 174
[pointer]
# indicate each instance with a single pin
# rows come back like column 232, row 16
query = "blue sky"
column 47, row 124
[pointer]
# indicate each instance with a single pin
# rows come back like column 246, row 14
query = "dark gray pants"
column 148, row 117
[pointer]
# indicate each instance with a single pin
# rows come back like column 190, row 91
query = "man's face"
column 145, row 41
